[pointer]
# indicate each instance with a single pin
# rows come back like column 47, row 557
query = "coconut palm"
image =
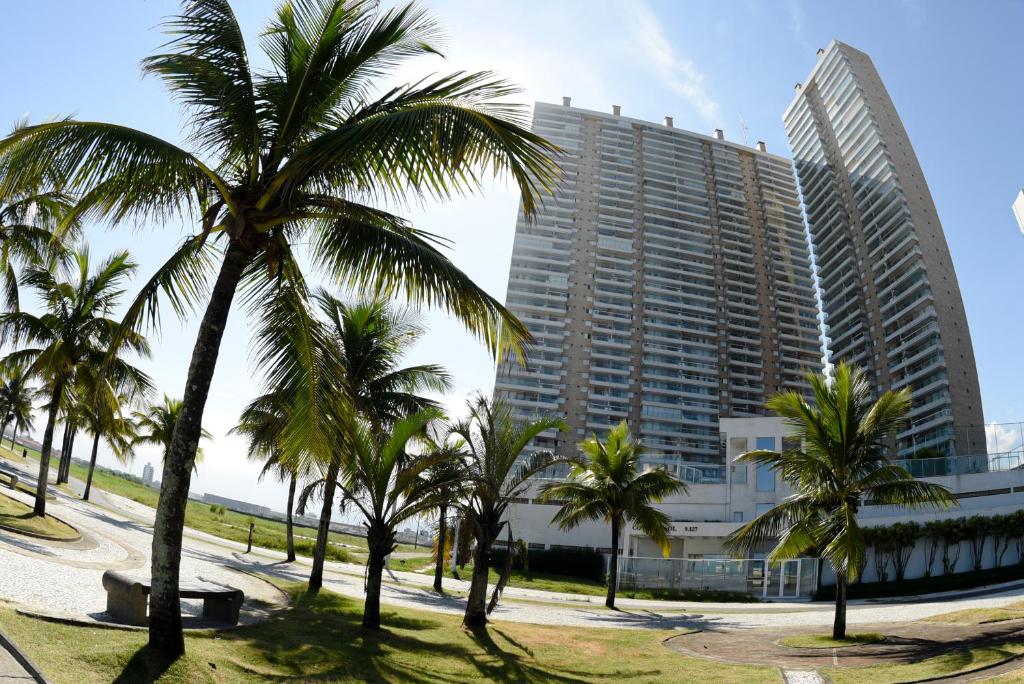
column 282, row 157
column 263, row 422
column 609, row 486
column 155, row 426
column 496, row 472
column 367, row 340
column 16, row 400
column 75, row 328
column 28, row 220
column 386, row 483
column 840, row 465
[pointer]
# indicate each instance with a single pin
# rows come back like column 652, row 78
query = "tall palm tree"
column 106, row 419
column 75, row 328
column 841, row 463
column 28, row 221
column 16, row 400
column 368, row 340
column 283, row 157
column 155, row 426
column 609, row 486
column 263, row 422
column 496, row 473
column 385, row 482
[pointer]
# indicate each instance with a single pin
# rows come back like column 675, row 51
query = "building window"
column 764, row 507
column 737, row 516
column 765, row 478
column 765, row 444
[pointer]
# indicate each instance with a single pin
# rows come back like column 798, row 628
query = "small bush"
column 582, row 563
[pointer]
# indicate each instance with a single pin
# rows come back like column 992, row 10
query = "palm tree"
column 263, row 422
column 278, row 158
column 840, row 465
column 16, row 401
column 368, row 340
column 448, row 483
column 608, row 486
column 386, row 484
column 74, row 329
column 28, row 222
column 496, row 473
column 155, row 426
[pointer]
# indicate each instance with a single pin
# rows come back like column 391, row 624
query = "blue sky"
column 953, row 70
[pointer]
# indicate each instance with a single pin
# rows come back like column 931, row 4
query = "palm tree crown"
column 609, row 486
column 28, row 220
column 155, row 425
column 841, row 463
column 17, row 397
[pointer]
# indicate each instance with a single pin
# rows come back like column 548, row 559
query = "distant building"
column 147, row 475
column 1018, row 210
column 239, row 506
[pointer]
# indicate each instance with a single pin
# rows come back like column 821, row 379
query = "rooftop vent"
column 668, row 121
column 566, row 101
column 719, row 134
column 761, row 146
column 616, row 110
column 821, row 52
column 798, row 87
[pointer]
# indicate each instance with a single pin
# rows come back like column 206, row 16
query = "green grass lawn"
column 826, row 640
column 320, row 639
column 20, row 517
column 959, row 660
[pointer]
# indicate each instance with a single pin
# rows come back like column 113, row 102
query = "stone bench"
column 12, row 479
column 128, row 599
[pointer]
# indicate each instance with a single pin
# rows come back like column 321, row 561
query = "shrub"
column 582, row 563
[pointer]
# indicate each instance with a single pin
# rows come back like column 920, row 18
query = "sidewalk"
column 12, row 668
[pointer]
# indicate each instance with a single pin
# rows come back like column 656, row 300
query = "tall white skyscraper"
column 667, row 282
column 890, row 294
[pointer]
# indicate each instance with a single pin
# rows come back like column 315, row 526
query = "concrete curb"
column 22, row 659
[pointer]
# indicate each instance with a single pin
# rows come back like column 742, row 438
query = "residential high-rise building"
column 889, row 292
column 1018, row 210
column 147, row 474
column 667, row 282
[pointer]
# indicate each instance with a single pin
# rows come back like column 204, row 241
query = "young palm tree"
column 107, row 420
column 75, row 328
column 495, row 474
column 155, row 426
column 385, row 482
column 368, row 340
column 841, row 464
column 608, row 486
column 449, row 484
column 263, row 422
column 16, row 400
column 282, row 157
column 28, row 220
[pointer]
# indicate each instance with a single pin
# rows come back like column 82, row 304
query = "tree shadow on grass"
column 145, row 666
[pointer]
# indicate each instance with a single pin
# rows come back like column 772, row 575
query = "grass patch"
column 979, row 616
column 21, row 518
column 826, row 641
column 954, row 662
column 587, row 587
column 320, row 639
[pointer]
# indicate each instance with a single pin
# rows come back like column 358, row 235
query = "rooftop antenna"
column 743, row 131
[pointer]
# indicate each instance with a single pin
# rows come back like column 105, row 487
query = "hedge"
column 582, row 563
column 925, row 585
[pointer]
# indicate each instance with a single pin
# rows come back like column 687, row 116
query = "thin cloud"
column 678, row 72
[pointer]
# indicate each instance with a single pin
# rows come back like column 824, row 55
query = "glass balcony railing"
column 963, row 465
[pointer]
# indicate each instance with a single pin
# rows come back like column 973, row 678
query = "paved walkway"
column 65, row 578
column 10, row 669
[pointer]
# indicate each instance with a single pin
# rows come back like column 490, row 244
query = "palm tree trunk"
column 289, row 522
column 376, row 542
column 839, row 626
column 92, row 465
column 3, row 432
column 64, row 440
column 44, row 455
column 476, row 605
column 316, row 576
column 442, row 529
column 165, row 635
column 65, row 475
column 613, row 565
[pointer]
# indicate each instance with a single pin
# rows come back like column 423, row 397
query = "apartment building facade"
column 667, row 282
column 890, row 294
